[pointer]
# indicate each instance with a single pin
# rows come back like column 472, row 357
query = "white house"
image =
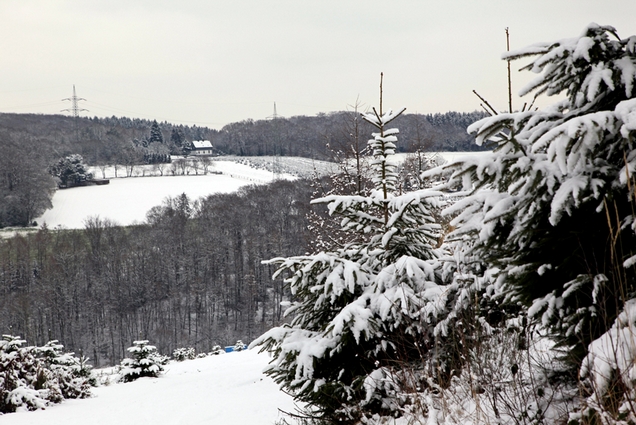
column 201, row 147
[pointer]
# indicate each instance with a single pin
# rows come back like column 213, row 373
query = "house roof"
column 202, row 144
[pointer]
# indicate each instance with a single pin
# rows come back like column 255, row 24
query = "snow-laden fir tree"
column 156, row 136
column 71, row 171
column 34, row 377
column 239, row 345
column 71, row 374
column 145, row 361
column 183, row 353
column 216, row 350
column 550, row 212
column 22, row 377
column 360, row 311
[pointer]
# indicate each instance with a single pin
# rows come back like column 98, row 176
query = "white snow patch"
column 127, row 200
column 226, row 389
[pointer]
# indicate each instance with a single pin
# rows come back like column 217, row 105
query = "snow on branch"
column 380, row 121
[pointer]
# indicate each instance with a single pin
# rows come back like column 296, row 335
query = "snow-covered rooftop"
column 202, row 144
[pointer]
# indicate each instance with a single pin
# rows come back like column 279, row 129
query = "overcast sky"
column 212, row 62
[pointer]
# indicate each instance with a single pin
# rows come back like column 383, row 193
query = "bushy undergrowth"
column 181, row 354
column 34, row 377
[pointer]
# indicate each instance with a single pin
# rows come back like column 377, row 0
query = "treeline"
column 307, row 136
column 107, row 140
column 191, row 276
column 311, row 136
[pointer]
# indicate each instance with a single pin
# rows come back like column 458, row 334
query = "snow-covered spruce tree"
column 216, row 350
column 183, row 353
column 239, row 346
column 550, row 212
column 71, row 374
column 33, row 377
column 359, row 313
column 144, row 362
column 22, row 377
column 71, row 171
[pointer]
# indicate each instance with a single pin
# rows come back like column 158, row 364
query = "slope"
column 224, row 389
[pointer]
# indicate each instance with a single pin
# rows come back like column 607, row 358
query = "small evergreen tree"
column 73, row 375
column 177, row 139
column 239, row 346
column 145, row 361
column 182, row 354
column 360, row 311
column 22, row 377
column 186, row 148
column 216, row 350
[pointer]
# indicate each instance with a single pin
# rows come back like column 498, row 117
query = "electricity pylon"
column 74, row 109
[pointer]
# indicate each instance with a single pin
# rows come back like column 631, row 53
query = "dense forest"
column 191, row 276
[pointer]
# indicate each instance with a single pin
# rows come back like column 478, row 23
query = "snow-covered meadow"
column 126, row 200
column 223, row 389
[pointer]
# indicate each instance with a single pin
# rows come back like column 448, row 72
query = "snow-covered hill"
column 127, row 200
column 224, row 389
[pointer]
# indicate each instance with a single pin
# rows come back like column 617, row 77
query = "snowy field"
column 224, row 389
column 126, row 200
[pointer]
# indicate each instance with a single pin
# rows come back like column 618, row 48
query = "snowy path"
column 224, row 389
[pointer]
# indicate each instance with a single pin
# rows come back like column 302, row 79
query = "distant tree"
column 130, row 156
column 71, row 171
column 186, row 148
column 206, row 163
column 156, row 136
column 177, row 140
column 26, row 188
column 157, row 153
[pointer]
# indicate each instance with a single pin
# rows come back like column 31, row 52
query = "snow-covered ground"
column 224, row 389
column 126, row 200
